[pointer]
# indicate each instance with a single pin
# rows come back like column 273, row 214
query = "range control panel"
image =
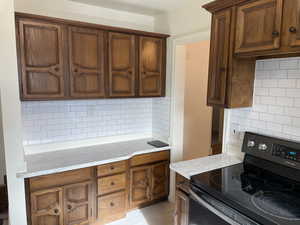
column 286, row 152
column 273, row 149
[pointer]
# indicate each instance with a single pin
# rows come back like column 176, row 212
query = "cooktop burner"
column 278, row 204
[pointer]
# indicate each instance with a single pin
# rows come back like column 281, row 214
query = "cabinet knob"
column 56, row 211
column 75, row 70
column 275, row 33
column 112, row 204
column 222, row 69
column 69, row 207
column 293, row 29
column 112, row 183
column 56, row 69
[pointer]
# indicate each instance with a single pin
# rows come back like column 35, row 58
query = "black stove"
column 263, row 190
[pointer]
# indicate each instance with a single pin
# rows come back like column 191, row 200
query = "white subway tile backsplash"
column 276, row 101
column 47, row 122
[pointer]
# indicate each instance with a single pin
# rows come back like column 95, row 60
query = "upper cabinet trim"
column 90, row 25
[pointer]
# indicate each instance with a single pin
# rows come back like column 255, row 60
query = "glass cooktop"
column 265, row 197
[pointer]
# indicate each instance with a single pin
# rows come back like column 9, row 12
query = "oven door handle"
column 212, row 209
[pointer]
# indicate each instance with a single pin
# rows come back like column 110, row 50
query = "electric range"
column 263, row 190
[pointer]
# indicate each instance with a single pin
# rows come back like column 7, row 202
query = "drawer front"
column 112, row 207
column 61, row 179
column 111, row 168
column 111, row 184
column 149, row 158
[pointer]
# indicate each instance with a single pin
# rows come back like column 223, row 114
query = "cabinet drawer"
column 111, row 168
column 111, row 184
column 112, row 207
column 149, row 158
column 60, row 179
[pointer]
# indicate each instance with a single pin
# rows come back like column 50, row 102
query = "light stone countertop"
column 77, row 158
column 201, row 165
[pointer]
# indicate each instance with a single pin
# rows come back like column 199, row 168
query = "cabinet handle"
column 112, row 204
column 75, row 70
column 112, row 168
column 56, row 211
column 69, row 207
column 112, row 183
column 56, row 69
column 293, row 29
column 275, row 33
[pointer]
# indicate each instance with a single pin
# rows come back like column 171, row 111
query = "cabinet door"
column 151, row 68
column 42, row 60
column 258, row 26
column 181, row 208
column 78, row 204
column 219, row 55
column 47, row 207
column 292, row 22
column 122, row 59
column 86, row 55
column 140, row 186
column 160, row 180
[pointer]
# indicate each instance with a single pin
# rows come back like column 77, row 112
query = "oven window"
column 199, row 215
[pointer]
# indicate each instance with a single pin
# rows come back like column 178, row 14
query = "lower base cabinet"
column 98, row 195
column 181, row 201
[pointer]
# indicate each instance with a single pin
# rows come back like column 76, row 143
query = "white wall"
column 11, row 114
column 86, row 13
column 191, row 18
column 276, row 107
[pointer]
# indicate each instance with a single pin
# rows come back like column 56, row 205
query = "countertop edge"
column 88, row 164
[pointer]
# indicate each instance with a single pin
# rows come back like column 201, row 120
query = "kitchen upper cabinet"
column 86, row 56
column 258, row 26
column 152, row 66
column 219, row 56
column 140, row 186
column 41, row 59
column 47, row 207
column 122, row 65
column 160, row 180
column 62, row 59
column 78, row 204
column 291, row 24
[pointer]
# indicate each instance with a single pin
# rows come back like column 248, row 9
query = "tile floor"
column 158, row 214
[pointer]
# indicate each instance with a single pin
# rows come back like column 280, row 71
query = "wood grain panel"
column 160, row 180
column 149, row 158
column 258, row 26
column 111, row 184
column 86, row 55
column 42, row 59
column 111, row 168
column 60, row 179
column 122, row 63
column 112, row 207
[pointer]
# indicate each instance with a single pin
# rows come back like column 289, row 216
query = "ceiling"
column 146, row 7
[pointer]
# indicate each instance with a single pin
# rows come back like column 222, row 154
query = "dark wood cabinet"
column 98, row 195
column 86, row 57
column 140, row 186
column 41, row 59
column 151, row 66
column 78, row 204
column 219, row 58
column 258, row 26
column 160, row 180
column 63, row 59
column 47, row 207
column 181, row 208
column 122, row 65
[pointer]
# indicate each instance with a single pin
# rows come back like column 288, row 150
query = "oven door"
column 206, row 210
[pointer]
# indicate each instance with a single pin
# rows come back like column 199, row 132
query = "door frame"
column 177, row 100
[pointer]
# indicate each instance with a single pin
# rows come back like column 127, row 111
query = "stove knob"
column 262, row 147
column 250, row 144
